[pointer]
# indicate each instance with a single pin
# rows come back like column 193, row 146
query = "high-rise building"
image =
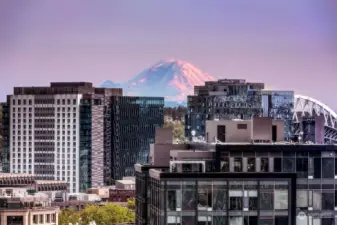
column 133, row 124
column 46, row 131
column 223, row 100
column 279, row 105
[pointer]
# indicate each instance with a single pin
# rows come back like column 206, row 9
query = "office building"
column 45, row 131
column 75, row 132
column 280, row 105
column 95, row 147
column 134, row 121
column 222, row 100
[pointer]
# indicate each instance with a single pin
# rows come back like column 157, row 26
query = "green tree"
column 107, row 214
column 68, row 216
column 178, row 129
column 132, row 203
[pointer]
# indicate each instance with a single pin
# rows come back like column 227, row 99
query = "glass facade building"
column 314, row 165
column 5, row 154
column 222, row 198
column 133, row 124
column 248, row 188
column 279, row 105
column 223, row 100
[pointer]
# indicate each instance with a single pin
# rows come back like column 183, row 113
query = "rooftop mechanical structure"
column 314, row 121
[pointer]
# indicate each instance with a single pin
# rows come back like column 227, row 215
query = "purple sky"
column 288, row 44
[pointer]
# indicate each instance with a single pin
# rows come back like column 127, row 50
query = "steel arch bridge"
column 309, row 110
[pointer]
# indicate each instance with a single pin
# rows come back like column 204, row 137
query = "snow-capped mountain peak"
column 173, row 79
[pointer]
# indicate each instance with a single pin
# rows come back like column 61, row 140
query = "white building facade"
column 45, row 136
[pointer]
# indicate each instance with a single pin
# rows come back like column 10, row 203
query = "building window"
column 328, row 168
column 225, row 164
column 302, row 167
column 315, row 199
column 264, row 165
column 302, row 199
column 251, row 165
column 242, row 126
column 219, row 195
column 266, row 200
column 237, row 164
column 235, row 199
column 188, row 196
column 204, row 196
column 328, row 200
column 172, row 200
column 236, row 220
column 281, row 199
column 288, row 165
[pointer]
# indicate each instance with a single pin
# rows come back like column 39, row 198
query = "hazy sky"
column 288, row 44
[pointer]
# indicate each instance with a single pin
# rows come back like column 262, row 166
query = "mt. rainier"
column 171, row 78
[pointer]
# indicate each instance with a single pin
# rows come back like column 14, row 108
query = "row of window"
column 220, row 200
column 305, row 167
column 244, row 220
column 40, row 219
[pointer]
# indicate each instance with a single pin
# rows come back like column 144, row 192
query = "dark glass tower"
column 133, row 123
column 4, row 129
column 279, row 105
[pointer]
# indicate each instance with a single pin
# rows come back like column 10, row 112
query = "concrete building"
column 258, row 129
column 22, row 202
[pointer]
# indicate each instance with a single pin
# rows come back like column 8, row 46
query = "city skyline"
column 287, row 45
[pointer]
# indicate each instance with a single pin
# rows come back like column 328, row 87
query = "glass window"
column 204, row 196
column 281, row 199
column 266, row 200
column 235, row 200
column 315, row 199
column 252, row 200
column 266, row 221
column 186, row 220
column 327, row 221
column 302, row 199
column 251, row 165
column 237, row 164
column 251, row 220
column 264, row 166
column 328, row 200
column 188, row 195
column 317, row 168
column 225, row 164
column 219, row 220
column 281, row 220
column 219, row 195
column 328, row 168
column 288, row 165
column 277, row 165
column 235, row 220
column 172, row 200
column 302, row 167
